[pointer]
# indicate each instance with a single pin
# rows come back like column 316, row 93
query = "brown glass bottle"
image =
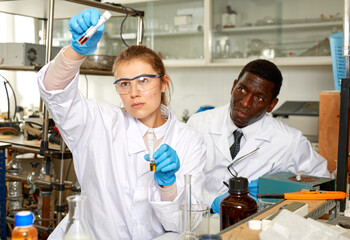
column 238, row 205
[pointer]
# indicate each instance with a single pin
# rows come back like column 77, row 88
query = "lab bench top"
column 297, row 108
column 241, row 231
column 21, row 141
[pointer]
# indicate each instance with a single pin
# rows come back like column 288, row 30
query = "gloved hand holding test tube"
column 92, row 30
column 150, row 137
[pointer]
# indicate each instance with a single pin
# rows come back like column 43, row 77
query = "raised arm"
column 67, row 63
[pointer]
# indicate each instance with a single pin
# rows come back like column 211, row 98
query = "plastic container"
column 24, row 228
column 238, row 205
column 338, row 61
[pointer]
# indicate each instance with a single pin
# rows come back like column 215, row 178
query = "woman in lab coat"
column 125, row 200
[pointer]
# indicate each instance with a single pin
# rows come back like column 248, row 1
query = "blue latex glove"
column 215, row 206
column 78, row 26
column 167, row 164
column 253, row 188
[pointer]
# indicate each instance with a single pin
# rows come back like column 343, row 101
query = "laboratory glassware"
column 77, row 228
column 92, row 30
column 150, row 137
column 187, row 233
column 238, row 205
column 14, row 192
column 24, row 229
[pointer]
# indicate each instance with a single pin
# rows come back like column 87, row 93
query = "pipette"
column 150, row 137
column 91, row 31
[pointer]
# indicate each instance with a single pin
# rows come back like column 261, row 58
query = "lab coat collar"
column 219, row 128
column 219, row 125
column 159, row 132
column 253, row 133
column 135, row 133
column 136, row 130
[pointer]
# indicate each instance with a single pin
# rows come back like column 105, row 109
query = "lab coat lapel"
column 260, row 137
column 218, row 130
column 136, row 145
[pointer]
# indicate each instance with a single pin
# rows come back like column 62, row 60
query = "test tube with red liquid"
column 91, row 31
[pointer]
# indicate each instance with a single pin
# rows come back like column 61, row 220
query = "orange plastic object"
column 316, row 195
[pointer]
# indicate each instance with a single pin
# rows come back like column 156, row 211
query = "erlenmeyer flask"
column 77, row 227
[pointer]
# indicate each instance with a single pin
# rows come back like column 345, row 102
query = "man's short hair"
column 266, row 70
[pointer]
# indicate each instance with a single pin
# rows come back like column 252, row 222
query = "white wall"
column 193, row 87
column 197, row 86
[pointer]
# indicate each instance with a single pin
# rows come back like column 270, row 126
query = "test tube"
column 150, row 137
column 91, row 31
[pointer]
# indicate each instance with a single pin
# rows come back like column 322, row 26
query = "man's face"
column 251, row 98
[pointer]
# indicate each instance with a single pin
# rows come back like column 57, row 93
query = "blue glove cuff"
column 215, row 206
column 81, row 49
column 165, row 182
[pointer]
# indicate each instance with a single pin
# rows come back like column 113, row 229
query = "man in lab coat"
column 267, row 145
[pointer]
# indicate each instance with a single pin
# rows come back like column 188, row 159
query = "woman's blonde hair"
column 148, row 55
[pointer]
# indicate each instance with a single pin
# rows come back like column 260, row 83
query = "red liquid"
column 82, row 40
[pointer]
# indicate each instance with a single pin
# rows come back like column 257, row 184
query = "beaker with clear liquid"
column 77, row 228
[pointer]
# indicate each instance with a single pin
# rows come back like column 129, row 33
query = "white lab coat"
column 123, row 200
column 281, row 149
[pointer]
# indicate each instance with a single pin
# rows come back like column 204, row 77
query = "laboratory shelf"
column 160, row 34
column 291, row 26
column 37, row 68
column 2, row 190
column 63, row 8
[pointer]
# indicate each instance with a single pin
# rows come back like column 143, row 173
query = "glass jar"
column 238, row 205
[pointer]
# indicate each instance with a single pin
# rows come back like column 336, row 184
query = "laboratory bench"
column 241, row 231
column 18, row 147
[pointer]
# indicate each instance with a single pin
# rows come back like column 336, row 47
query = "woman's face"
column 144, row 105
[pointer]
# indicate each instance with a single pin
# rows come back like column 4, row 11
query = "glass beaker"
column 200, row 218
column 77, row 228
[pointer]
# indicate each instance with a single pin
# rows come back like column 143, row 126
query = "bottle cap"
column 24, row 218
column 107, row 15
column 238, row 185
column 254, row 224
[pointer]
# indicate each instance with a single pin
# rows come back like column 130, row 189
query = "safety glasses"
column 142, row 82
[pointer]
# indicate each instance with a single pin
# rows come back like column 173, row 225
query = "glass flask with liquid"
column 24, row 229
column 77, row 228
column 238, row 205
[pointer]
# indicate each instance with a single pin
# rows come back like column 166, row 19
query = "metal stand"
column 343, row 143
column 2, row 191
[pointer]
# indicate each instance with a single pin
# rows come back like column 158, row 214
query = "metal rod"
column 111, row 7
column 67, row 184
column 40, row 228
column 44, row 144
column 61, row 180
column 343, row 140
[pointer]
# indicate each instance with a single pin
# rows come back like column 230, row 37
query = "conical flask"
column 77, row 228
